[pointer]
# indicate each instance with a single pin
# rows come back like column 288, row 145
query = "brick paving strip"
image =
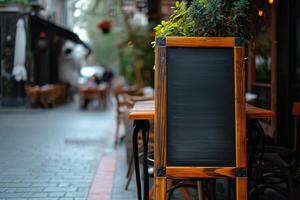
column 103, row 183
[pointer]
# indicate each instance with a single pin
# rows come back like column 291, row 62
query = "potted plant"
column 199, row 89
column 207, row 18
column 105, row 26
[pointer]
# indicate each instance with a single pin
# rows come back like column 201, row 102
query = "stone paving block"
column 29, row 189
column 44, row 184
column 16, row 185
column 35, row 180
column 56, row 194
column 65, row 184
column 60, row 189
column 17, row 198
column 10, row 190
column 46, row 198
column 38, row 195
column 73, row 177
column 10, row 195
column 28, row 194
column 76, row 194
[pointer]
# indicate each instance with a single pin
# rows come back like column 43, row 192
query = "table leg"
column 136, row 158
column 145, row 131
column 144, row 126
column 255, row 138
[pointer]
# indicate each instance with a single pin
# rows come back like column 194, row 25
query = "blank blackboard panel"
column 200, row 107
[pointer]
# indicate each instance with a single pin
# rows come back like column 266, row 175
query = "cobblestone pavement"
column 54, row 154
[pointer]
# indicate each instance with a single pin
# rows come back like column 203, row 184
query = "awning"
column 62, row 32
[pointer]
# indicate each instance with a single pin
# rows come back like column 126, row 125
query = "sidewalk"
column 60, row 154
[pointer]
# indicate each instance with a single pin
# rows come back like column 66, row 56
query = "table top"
column 144, row 110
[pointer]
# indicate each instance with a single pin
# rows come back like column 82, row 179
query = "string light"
column 260, row 13
column 271, row 2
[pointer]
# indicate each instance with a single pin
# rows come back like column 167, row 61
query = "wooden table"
column 143, row 111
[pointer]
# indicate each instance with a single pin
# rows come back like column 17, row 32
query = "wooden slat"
column 160, row 188
column 240, row 108
column 160, row 107
column 203, row 172
column 274, row 67
column 241, row 189
column 144, row 110
column 253, row 112
column 200, row 41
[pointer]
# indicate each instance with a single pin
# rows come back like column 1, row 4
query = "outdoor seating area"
column 99, row 93
column 46, row 96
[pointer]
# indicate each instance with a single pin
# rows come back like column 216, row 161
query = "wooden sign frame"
column 162, row 171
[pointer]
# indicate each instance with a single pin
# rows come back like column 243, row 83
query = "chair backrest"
column 200, row 107
column 296, row 114
column 32, row 91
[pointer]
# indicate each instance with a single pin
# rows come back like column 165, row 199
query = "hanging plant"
column 105, row 26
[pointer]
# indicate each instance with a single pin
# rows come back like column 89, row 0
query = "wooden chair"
column 279, row 171
column 32, row 94
column 98, row 93
column 119, row 93
column 199, row 111
column 129, row 102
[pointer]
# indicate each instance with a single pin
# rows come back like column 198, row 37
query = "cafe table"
column 144, row 111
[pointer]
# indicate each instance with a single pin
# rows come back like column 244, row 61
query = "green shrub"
column 179, row 23
column 207, row 18
column 220, row 18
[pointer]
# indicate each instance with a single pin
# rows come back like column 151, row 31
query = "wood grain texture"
column 160, row 107
column 200, row 172
column 200, row 41
column 253, row 112
column 160, row 188
column 240, row 108
column 241, row 189
column 144, row 110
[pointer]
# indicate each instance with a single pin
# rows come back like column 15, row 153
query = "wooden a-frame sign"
column 200, row 111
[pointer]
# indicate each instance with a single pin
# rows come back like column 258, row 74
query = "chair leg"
column 241, row 189
column 117, row 130
column 200, row 190
column 130, row 173
column 130, row 165
column 160, row 188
